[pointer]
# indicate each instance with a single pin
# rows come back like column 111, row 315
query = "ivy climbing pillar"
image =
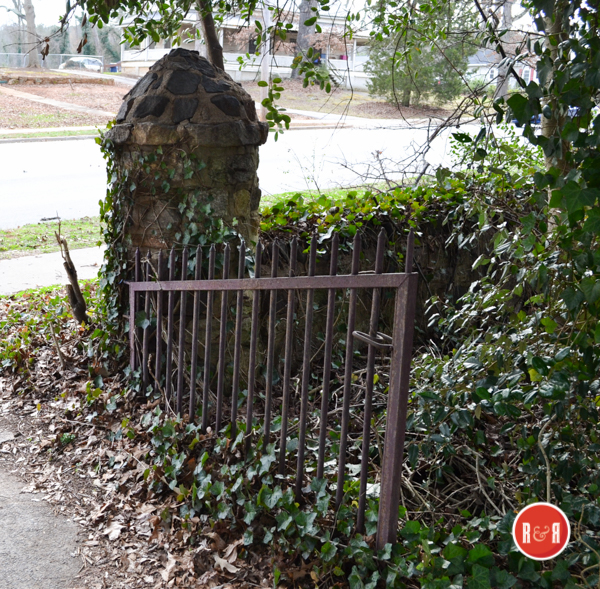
column 183, row 157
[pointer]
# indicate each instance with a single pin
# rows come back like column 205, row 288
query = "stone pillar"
column 187, row 135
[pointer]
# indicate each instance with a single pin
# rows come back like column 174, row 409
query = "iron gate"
column 159, row 345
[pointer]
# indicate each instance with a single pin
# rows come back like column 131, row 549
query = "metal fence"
column 51, row 62
column 166, row 334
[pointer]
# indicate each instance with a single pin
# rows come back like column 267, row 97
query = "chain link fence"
column 54, row 61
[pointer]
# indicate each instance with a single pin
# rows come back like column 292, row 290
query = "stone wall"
column 13, row 77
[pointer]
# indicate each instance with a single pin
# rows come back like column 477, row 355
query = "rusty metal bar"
column 404, row 313
column 170, row 318
column 253, row 341
column 222, row 340
column 159, row 318
column 238, row 343
column 393, row 455
column 310, row 298
column 289, row 344
column 137, row 330
column 182, row 326
column 364, row 461
column 282, row 283
column 146, row 330
column 132, row 347
column 271, row 346
column 327, row 359
column 208, row 338
column 195, row 320
column 348, row 373
column 410, row 248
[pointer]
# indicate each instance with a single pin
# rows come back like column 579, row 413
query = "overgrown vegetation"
column 502, row 367
column 504, row 405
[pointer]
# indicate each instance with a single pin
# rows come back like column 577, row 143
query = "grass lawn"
column 38, row 238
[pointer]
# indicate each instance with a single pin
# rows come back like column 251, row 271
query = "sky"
column 47, row 12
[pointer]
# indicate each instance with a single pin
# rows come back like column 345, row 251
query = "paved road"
column 19, row 274
column 41, row 179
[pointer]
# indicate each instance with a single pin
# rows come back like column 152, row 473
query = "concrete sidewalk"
column 38, row 550
column 19, row 274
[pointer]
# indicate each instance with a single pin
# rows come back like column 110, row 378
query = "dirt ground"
column 91, row 95
column 343, row 101
column 16, row 113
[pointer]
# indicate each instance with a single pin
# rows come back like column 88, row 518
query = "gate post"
column 404, row 318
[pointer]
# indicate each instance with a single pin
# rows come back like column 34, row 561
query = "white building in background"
column 345, row 58
column 483, row 66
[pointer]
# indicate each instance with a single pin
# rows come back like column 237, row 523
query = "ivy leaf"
column 480, row 578
column 481, row 554
column 271, row 501
column 455, row 554
column 592, row 223
column 503, row 579
column 217, row 489
column 561, row 571
column 591, row 289
column 373, row 582
column 576, row 197
column 411, row 530
column 328, row 551
column 572, row 298
column 141, row 320
column 284, row 520
column 528, row 572
column 520, row 108
column 250, row 511
column 355, row 579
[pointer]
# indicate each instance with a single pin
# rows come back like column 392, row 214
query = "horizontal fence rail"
column 219, row 347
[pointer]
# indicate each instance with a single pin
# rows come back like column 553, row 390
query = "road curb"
column 60, row 138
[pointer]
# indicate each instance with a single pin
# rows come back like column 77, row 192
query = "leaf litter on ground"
column 82, row 465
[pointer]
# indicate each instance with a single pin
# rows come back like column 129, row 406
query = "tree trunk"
column 406, row 97
column 32, row 38
column 199, row 46
column 504, row 72
column 214, row 49
column 555, row 32
column 99, row 48
column 304, row 31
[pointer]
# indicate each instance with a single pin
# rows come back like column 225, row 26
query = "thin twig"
column 548, row 472
column 61, row 356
